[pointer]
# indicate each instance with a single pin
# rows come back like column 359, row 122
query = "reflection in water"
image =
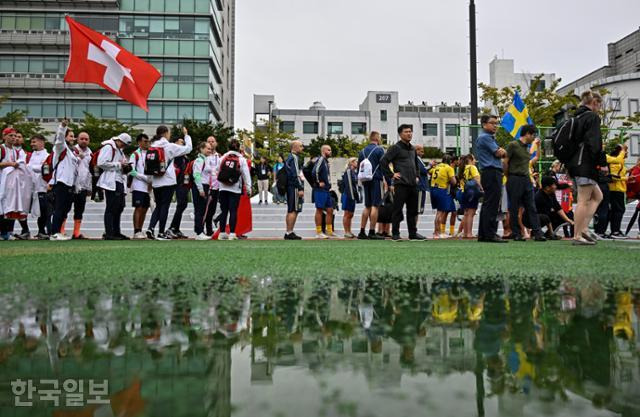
column 384, row 346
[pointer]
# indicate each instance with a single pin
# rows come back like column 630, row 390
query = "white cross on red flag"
column 96, row 59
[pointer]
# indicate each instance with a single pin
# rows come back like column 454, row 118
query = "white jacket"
column 67, row 169
column 110, row 162
column 171, row 151
column 35, row 166
column 16, row 193
column 12, row 154
column 214, row 162
column 140, row 181
column 83, row 178
column 245, row 178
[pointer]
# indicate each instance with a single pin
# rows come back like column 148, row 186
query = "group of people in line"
column 159, row 167
column 392, row 184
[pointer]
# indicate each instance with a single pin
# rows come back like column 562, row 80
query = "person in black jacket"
column 584, row 166
column 182, row 195
column 404, row 180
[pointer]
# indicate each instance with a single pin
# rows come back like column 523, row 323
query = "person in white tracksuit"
column 38, row 156
column 114, row 165
column 65, row 170
column 140, row 185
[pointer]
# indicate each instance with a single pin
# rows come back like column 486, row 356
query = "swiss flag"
column 96, row 59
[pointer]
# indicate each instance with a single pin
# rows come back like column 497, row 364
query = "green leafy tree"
column 18, row 120
column 100, row 130
column 341, row 146
column 268, row 140
column 200, row 131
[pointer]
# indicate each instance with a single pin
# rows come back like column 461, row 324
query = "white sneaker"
column 202, row 236
column 321, row 236
column 332, row 236
column 60, row 236
column 232, row 236
column 223, row 236
column 139, row 236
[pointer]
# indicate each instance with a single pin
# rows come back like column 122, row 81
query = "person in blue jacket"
column 349, row 196
column 321, row 193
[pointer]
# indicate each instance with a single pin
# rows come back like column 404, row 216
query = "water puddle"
column 371, row 347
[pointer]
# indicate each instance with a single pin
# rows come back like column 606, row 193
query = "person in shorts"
column 321, row 193
column 140, row 185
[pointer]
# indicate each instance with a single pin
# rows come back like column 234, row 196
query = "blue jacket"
column 321, row 173
column 423, row 183
column 350, row 187
column 375, row 154
column 292, row 167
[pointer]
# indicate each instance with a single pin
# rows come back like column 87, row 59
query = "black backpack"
column 567, row 140
column 307, row 171
column 282, row 181
column 155, row 163
column 230, row 170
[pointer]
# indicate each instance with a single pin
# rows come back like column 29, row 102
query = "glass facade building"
column 191, row 43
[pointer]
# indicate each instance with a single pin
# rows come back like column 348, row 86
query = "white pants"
column 263, row 187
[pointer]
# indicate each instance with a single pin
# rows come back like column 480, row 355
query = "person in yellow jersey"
column 617, row 189
column 469, row 192
column 441, row 200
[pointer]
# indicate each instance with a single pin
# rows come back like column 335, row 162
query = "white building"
column 433, row 125
column 502, row 74
column 622, row 78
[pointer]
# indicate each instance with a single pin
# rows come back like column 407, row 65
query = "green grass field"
column 43, row 265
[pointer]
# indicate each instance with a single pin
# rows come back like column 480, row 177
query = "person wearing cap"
column 65, row 169
column 550, row 213
column 82, row 187
column 115, row 167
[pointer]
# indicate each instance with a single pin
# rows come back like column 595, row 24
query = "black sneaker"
column 110, row 237
column 417, row 237
column 179, row 235
column 151, row 235
column 396, row 238
column 363, row 236
column 373, row 236
column 292, row 236
column 618, row 235
column 122, row 237
column 540, row 238
column 519, row 239
column 162, row 236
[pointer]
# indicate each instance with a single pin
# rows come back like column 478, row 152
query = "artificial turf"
column 89, row 264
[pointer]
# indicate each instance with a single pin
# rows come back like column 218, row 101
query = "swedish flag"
column 517, row 116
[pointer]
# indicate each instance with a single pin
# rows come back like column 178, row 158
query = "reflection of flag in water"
column 125, row 403
column 517, row 116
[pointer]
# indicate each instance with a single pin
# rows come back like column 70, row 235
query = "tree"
column 341, row 146
column 543, row 103
column 100, row 130
column 17, row 119
column 200, row 131
column 269, row 140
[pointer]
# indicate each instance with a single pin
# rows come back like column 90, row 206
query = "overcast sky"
column 335, row 51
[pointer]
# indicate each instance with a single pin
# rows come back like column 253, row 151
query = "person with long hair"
column 470, row 193
column 231, row 187
column 200, row 188
column 164, row 185
column 583, row 166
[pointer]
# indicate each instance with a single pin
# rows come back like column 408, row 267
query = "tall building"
column 191, row 42
column 502, row 74
column 435, row 126
column 621, row 77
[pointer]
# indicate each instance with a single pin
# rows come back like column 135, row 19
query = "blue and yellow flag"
column 517, row 116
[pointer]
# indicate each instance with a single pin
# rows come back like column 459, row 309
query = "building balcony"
column 16, row 83
column 63, row 4
column 19, row 40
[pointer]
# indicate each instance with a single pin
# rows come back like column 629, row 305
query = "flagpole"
column 64, row 85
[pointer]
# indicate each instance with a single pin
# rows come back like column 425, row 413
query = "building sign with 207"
column 383, row 98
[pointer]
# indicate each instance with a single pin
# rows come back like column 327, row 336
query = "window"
column 383, row 115
column 429, row 129
column 358, row 128
column 541, row 85
column 633, row 106
column 287, row 126
column 310, row 128
column 451, row 129
column 635, row 145
column 615, row 104
column 335, row 128
column 384, row 137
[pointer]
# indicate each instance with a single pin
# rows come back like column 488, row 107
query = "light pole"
column 474, row 70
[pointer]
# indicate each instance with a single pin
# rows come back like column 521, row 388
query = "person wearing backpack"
column 294, row 188
column 183, row 188
column 159, row 164
column 64, row 168
column 584, row 165
column 140, row 186
column 83, row 186
column 38, row 155
column 321, row 193
column 277, row 197
column 201, row 178
column 349, row 195
column 370, row 176
column 233, row 174
column 115, row 167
